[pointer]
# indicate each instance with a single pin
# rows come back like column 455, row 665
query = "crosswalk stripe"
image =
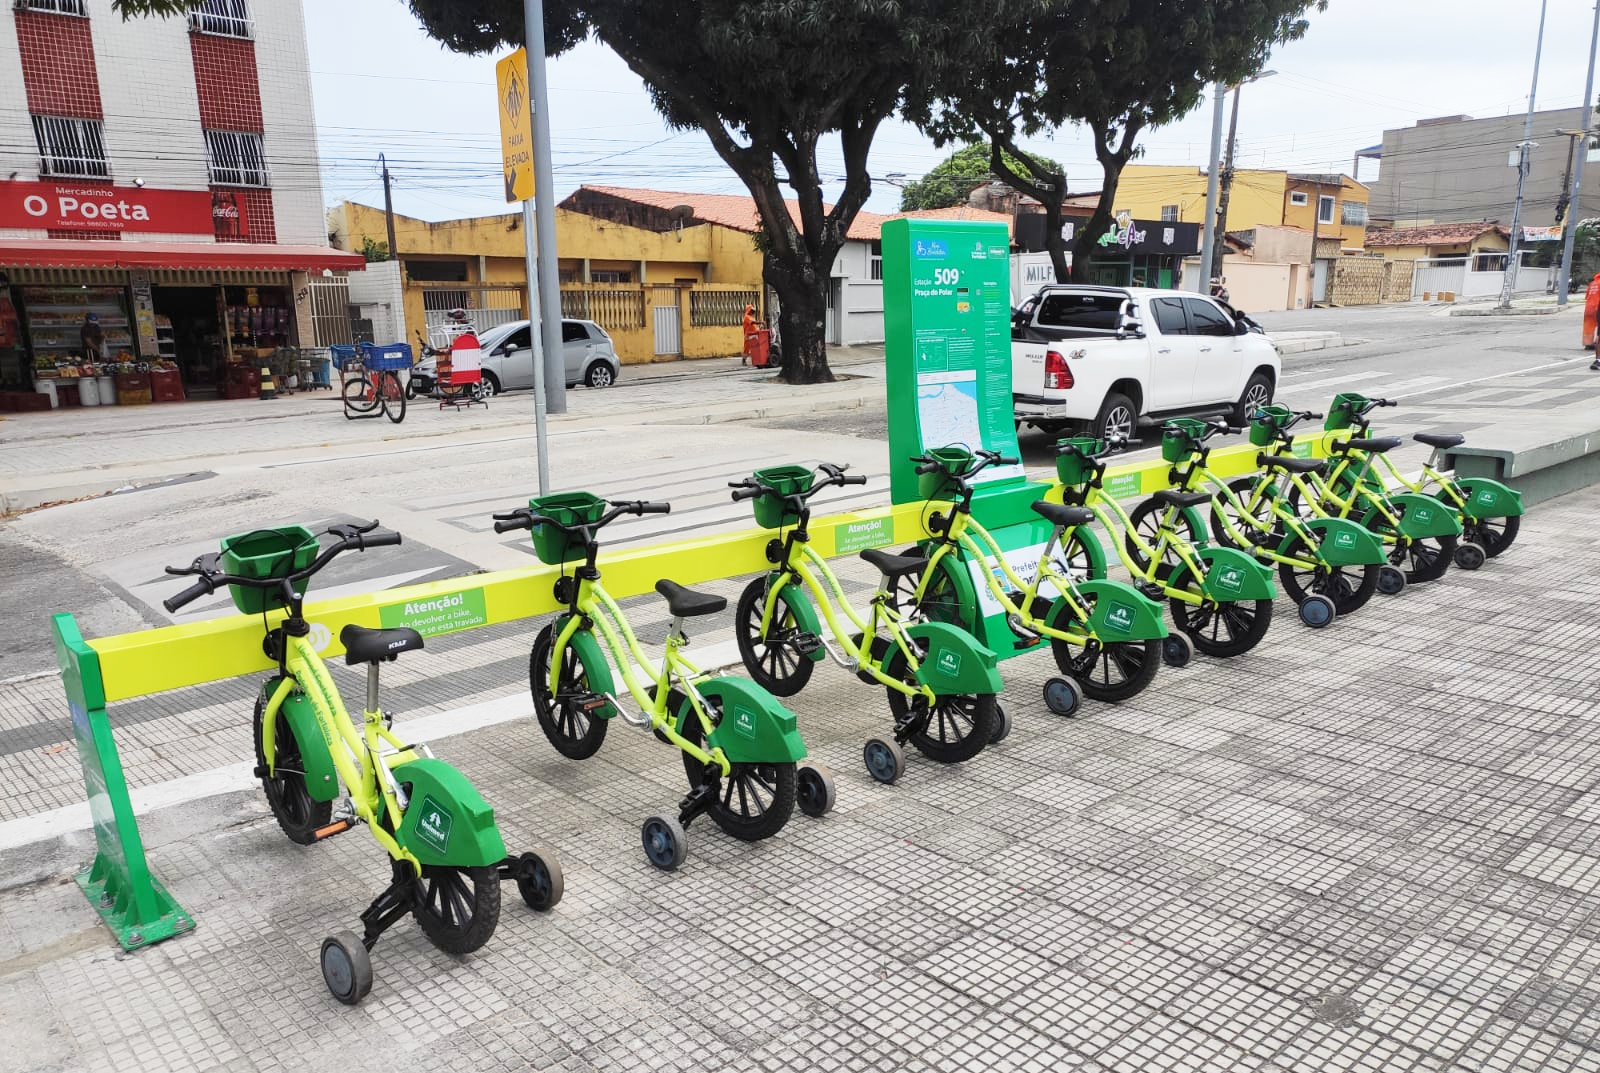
column 1365, row 374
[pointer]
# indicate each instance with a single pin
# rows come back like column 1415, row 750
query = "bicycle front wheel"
column 394, row 397
column 569, row 717
column 776, row 661
column 360, row 397
column 1254, row 520
column 297, row 812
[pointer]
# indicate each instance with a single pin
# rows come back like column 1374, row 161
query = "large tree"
column 951, row 180
column 768, row 81
column 1118, row 68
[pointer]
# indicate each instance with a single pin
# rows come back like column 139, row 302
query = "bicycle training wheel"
column 1493, row 535
column 775, row 661
column 571, row 718
column 1422, row 558
column 955, row 728
column 297, row 812
column 1349, row 587
column 457, row 908
column 360, row 397
column 754, row 801
column 1219, row 629
column 1106, row 670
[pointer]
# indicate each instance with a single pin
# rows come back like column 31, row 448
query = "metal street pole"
column 1215, row 267
column 1571, row 221
column 555, row 370
column 1209, row 245
column 1508, row 285
column 539, row 376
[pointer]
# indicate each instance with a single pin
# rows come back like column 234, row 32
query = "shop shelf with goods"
column 166, row 341
column 56, row 316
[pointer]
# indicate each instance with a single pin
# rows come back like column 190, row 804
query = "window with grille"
column 1353, row 212
column 876, row 259
column 71, row 147
column 228, row 18
column 59, row 7
column 236, row 158
column 1169, row 214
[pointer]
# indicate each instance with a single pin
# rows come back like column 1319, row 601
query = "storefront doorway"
column 189, row 325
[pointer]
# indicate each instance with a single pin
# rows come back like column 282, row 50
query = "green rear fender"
column 1342, row 542
column 322, row 781
column 1488, row 498
column 794, row 596
column 447, row 821
column 1121, row 612
column 1425, row 516
column 1232, row 575
column 595, row 665
column 954, row 662
column 755, row 729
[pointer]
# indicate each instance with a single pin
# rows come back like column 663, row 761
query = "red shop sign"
column 89, row 206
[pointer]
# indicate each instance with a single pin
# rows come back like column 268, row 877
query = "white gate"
column 669, row 325
column 835, row 335
column 1321, row 269
column 1434, row 275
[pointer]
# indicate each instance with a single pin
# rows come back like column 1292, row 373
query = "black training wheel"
column 1176, row 650
column 1391, row 580
column 1002, row 723
column 814, row 790
column 1062, row 695
column 346, row 967
column 885, row 760
column 1469, row 555
column 665, row 843
column 540, row 881
column 1317, row 611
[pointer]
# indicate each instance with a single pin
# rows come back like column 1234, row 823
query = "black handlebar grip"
column 505, row 525
column 1309, row 416
column 857, row 479
column 382, row 539
column 1003, row 461
column 1235, row 428
column 928, row 467
column 655, row 508
column 200, row 588
column 745, row 492
column 1387, row 402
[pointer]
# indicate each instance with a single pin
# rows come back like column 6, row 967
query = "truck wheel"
column 1117, row 418
column 1257, row 393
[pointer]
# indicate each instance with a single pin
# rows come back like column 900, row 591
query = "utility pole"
column 388, row 209
column 1221, row 247
column 1508, row 285
column 555, row 365
column 1209, row 244
column 1564, row 283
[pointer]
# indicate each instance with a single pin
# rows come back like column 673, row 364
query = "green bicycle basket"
column 551, row 545
column 1177, row 444
column 267, row 553
column 1267, row 422
column 938, row 485
column 771, row 511
column 1342, row 411
column 1074, row 469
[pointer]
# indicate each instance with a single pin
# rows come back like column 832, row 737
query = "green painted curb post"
column 118, row 884
column 947, row 333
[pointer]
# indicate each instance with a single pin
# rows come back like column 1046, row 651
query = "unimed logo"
column 1120, row 617
column 1344, row 540
column 949, row 662
column 744, row 723
column 434, row 826
column 1230, row 578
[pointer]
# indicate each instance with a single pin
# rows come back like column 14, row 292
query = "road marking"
column 1367, row 374
column 1497, row 376
column 1392, row 390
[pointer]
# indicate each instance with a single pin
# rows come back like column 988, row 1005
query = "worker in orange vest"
column 1591, row 313
column 751, row 325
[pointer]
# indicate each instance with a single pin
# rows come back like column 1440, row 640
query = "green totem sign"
column 118, row 884
column 947, row 332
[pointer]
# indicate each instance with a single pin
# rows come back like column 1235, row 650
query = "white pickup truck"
column 1102, row 359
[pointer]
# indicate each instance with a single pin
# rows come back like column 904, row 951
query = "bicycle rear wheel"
column 754, row 801
column 394, row 396
column 360, row 396
column 457, row 908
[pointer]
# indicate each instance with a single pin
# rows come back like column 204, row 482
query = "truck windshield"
column 1082, row 312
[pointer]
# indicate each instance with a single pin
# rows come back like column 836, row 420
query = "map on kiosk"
column 947, row 414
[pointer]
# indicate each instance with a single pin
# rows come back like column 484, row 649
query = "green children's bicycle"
column 1328, row 566
column 447, row 856
column 741, row 752
column 941, row 683
column 1104, row 634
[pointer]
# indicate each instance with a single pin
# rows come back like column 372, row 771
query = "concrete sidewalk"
column 1372, row 847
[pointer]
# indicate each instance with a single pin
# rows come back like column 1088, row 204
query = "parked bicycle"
column 1219, row 598
column 1328, row 566
column 446, row 854
column 941, row 683
column 1105, row 635
column 741, row 751
column 371, row 380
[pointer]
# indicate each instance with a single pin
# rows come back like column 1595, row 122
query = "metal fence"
column 720, row 309
column 487, row 305
column 614, row 310
column 330, row 310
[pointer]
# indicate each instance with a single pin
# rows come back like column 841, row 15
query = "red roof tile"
column 1432, row 234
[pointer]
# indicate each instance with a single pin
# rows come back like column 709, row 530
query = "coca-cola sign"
column 90, row 206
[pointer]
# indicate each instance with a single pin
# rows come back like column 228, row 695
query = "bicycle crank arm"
column 626, row 714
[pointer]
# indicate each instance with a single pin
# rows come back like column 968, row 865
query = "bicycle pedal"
column 590, row 701
column 337, row 827
column 1153, row 590
column 1026, row 638
column 806, row 643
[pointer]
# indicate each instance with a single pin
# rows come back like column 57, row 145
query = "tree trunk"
column 802, row 320
column 1053, row 242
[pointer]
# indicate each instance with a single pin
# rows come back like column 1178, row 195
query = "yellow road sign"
column 516, row 124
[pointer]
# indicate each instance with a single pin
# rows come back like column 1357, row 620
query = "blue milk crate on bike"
column 392, row 357
column 344, row 355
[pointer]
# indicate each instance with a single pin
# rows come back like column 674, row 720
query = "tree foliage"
column 1115, row 67
column 951, row 181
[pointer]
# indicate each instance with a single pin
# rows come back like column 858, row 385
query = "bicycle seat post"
column 372, row 689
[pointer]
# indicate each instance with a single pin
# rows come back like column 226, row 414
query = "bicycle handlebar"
column 834, row 474
column 360, row 537
column 523, row 518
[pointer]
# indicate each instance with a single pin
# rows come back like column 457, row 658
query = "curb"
column 1514, row 311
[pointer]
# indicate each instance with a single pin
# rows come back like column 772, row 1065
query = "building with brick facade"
column 161, row 177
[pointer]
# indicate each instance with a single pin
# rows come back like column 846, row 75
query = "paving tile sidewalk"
column 1372, row 847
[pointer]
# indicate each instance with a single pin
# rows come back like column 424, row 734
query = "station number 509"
column 946, row 276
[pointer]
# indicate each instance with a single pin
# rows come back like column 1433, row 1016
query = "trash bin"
column 108, row 390
column 758, row 344
column 48, row 388
column 88, row 391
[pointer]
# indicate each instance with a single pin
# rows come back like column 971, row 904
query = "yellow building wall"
column 1350, row 235
column 1256, row 197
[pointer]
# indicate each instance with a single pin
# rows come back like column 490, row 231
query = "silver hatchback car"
column 508, row 353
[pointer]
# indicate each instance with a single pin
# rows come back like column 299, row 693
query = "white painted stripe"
column 1500, row 376
column 1365, row 374
column 1392, row 390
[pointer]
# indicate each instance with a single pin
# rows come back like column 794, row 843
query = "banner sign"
column 91, row 206
column 1541, row 234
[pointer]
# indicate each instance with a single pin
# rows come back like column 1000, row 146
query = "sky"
column 1363, row 66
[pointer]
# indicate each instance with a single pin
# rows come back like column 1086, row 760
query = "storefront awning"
column 219, row 256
